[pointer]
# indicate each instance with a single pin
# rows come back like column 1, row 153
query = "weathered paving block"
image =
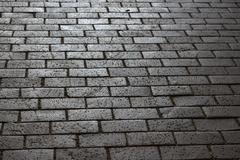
column 64, row 82
column 8, row 116
column 43, row 92
column 40, row 154
column 231, row 136
column 26, row 128
column 106, row 139
column 16, row 104
column 52, row 115
column 21, row 82
column 124, row 125
column 194, row 100
column 198, row 138
column 135, row 153
column 150, row 138
column 171, row 125
column 88, row 92
column 101, row 72
column 216, row 124
column 90, row 114
column 182, row 112
column 75, row 127
column 137, row 113
column 108, row 102
column 11, row 142
column 50, row 141
column 149, row 81
column 185, row 152
column 171, row 90
column 225, row 151
column 62, row 103
column 47, row 72
column 118, row 81
column 84, row 153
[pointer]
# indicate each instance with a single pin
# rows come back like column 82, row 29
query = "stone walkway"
column 119, row 79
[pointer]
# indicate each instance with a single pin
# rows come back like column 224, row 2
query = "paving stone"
column 231, row 136
column 102, row 72
column 222, row 111
column 90, row 114
column 43, row 92
column 185, row 152
column 88, row 92
column 8, row 116
column 48, row 141
column 181, row 112
column 62, row 103
column 130, row 91
column 134, row 153
column 16, row 104
column 84, row 153
column 216, row 124
column 124, row 126
column 171, row 90
column 43, row 115
column 106, row 139
column 171, row 125
column 106, row 81
column 64, row 82
column 194, row 100
column 26, row 128
column 75, row 127
column 135, row 113
column 198, row 138
column 225, row 151
column 11, row 142
column 40, row 154
column 150, row 101
column 108, row 102
column 150, row 138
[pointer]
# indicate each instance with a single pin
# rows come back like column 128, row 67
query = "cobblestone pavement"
column 119, row 79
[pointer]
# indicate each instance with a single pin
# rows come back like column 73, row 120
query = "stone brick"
column 124, row 126
column 216, row 124
column 226, row 151
column 88, row 92
column 84, row 153
column 26, row 128
column 130, row 91
column 171, row 125
column 185, row 152
column 107, row 139
column 42, row 92
column 181, row 112
column 50, row 115
column 40, row 154
column 90, row 114
column 48, row 141
column 11, row 142
column 135, row 153
column 62, row 103
column 135, row 113
column 74, row 127
column 198, row 138
column 150, row 101
column 150, row 138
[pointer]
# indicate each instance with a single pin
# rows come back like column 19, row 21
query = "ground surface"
column 119, row 79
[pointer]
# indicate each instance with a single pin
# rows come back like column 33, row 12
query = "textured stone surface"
column 119, row 79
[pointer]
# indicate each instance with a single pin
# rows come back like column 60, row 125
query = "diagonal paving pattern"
column 119, row 79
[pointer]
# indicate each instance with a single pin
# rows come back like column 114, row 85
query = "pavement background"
column 119, row 79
